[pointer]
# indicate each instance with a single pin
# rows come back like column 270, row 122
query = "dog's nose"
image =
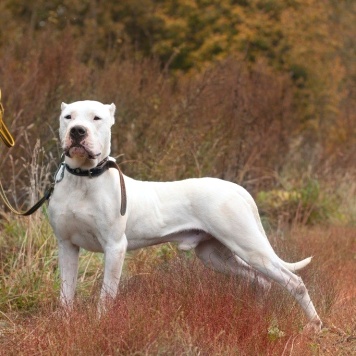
column 78, row 132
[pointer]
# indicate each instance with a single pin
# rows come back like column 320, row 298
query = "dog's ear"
column 112, row 109
column 63, row 106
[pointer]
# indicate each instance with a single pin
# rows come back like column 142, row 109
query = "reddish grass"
column 179, row 307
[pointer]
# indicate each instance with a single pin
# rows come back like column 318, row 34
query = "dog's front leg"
column 114, row 260
column 68, row 263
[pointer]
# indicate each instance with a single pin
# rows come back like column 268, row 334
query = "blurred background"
column 258, row 92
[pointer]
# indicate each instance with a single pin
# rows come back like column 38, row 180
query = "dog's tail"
column 293, row 267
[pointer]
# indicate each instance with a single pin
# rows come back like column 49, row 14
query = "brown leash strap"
column 112, row 164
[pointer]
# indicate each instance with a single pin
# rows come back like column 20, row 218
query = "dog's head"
column 85, row 132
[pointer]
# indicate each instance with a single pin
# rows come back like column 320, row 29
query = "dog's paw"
column 313, row 327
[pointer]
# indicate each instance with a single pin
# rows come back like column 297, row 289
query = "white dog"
column 218, row 219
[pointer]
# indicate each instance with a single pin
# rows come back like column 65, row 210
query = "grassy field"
column 170, row 304
column 261, row 93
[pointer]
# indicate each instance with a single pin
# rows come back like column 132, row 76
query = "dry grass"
column 171, row 305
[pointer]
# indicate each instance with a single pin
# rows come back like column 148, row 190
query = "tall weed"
column 27, row 263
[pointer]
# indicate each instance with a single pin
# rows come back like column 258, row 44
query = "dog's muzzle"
column 77, row 135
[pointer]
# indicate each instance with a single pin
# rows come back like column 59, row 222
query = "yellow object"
column 5, row 135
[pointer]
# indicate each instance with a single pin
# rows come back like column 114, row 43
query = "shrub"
column 304, row 205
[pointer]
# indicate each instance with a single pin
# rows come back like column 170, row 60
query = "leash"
column 34, row 208
column 5, row 134
column 9, row 141
column 102, row 167
column 30, row 211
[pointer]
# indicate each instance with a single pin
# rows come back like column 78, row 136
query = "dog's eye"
column 68, row 117
column 97, row 118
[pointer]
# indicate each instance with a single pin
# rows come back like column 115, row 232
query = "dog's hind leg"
column 261, row 264
column 262, row 258
column 219, row 258
column 243, row 236
column 295, row 286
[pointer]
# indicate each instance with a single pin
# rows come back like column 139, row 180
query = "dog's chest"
column 81, row 227
column 80, row 218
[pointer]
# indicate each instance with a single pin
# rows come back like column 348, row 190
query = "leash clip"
column 58, row 176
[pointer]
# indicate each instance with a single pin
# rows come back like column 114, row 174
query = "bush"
column 304, row 205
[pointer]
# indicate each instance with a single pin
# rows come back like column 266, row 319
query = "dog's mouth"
column 80, row 152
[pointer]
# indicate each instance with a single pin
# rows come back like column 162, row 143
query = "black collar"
column 91, row 173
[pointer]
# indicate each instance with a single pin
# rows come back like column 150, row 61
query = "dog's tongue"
column 78, row 152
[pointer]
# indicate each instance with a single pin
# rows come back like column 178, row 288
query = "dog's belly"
column 186, row 240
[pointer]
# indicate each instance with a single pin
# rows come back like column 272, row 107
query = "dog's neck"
column 100, row 168
column 83, row 163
